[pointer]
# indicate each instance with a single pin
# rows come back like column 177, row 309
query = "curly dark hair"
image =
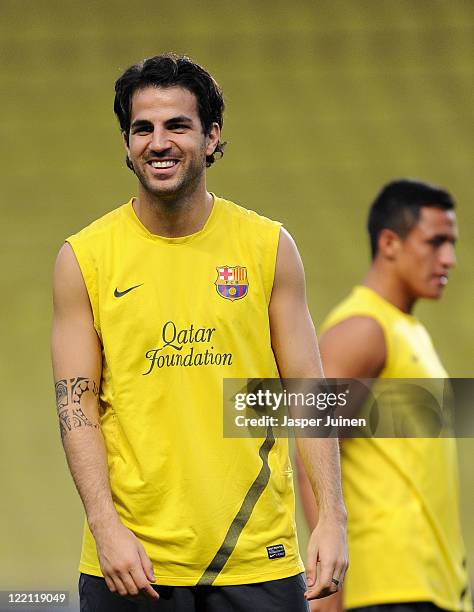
column 170, row 70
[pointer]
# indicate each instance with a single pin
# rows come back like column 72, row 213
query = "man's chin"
column 172, row 187
column 432, row 294
column 162, row 189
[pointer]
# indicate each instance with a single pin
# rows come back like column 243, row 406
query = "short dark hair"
column 397, row 207
column 171, row 70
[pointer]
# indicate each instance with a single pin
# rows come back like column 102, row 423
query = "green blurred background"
column 326, row 101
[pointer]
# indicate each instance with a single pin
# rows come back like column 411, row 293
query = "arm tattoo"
column 69, row 393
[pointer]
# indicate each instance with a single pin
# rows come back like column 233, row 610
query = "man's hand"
column 126, row 567
column 328, row 547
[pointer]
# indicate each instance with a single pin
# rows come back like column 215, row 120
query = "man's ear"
column 125, row 142
column 389, row 244
column 213, row 138
column 127, row 149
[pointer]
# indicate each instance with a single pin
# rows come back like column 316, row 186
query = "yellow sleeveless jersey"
column 405, row 543
column 176, row 316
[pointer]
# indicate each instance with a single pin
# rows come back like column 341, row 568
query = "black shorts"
column 416, row 606
column 284, row 595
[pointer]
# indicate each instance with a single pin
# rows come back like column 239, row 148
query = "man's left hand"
column 327, row 547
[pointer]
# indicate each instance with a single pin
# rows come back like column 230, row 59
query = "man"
column 405, row 543
column 154, row 305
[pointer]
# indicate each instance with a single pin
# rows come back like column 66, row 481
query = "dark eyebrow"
column 144, row 123
column 443, row 238
column 179, row 119
column 140, row 123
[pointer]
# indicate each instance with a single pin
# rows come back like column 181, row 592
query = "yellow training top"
column 405, row 543
column 175, row 316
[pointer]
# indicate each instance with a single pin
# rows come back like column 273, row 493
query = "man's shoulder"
column 242, row 214
column 355, row 316
column 361, row 302
column 100, row 225
column 349, row 306
column 353, row 338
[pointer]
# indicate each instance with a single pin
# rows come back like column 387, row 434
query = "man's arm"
column 77, row 365
column 295, row 347
column 354, row 348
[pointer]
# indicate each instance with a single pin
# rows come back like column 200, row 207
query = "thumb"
column 311, row 560
column 146, row 563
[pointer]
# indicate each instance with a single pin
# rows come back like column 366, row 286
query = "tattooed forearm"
column 69, row 394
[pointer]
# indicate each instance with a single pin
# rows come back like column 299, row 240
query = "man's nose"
column 159, row 140
column 448, row 255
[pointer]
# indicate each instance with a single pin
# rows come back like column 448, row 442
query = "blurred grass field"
column 326, row 101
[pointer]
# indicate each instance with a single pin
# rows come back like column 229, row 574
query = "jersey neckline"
column 131, row 215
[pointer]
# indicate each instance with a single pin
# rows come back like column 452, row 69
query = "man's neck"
column 175, row 217
column 389, row 287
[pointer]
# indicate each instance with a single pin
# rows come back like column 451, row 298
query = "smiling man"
column 154, row 305
column 405, row 542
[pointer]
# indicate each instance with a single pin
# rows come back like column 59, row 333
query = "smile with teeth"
column 163, row 164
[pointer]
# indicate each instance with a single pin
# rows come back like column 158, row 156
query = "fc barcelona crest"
column 232, row 282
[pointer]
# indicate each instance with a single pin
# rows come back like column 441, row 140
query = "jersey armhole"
column 270, row 260
column 88, row 272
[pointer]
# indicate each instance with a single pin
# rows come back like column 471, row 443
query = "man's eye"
column 142, row 130
column 178, row 127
